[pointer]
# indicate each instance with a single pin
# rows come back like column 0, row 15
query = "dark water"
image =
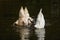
column 9, row 10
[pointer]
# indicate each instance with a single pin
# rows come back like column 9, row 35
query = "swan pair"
column 25, row 19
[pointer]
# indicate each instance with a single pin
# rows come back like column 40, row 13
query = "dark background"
column 9, row 10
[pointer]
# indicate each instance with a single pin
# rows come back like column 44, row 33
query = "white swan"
column 24, row 17
column 40, row 22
